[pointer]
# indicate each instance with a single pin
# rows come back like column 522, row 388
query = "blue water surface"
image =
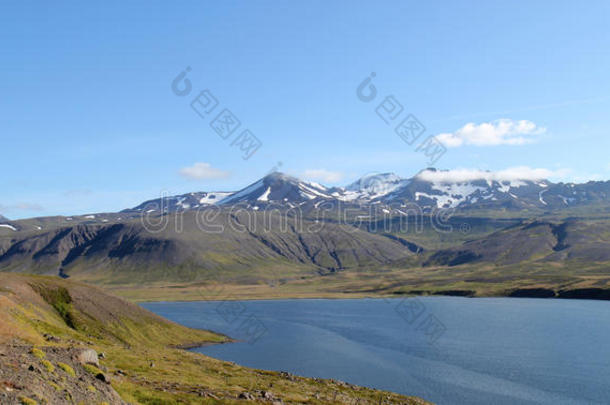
column 444, row 349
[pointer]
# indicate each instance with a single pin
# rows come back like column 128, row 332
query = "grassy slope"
column 249, row 269
column 137, row 342
column 563, row 257
column 482, row 280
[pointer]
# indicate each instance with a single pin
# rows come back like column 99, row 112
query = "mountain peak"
column 368, row 179
column 277, row 188
column 279, row 176
column 375, row 185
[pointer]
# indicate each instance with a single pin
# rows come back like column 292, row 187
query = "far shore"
column 189, row 294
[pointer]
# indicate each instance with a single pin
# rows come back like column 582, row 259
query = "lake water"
column 446, row 350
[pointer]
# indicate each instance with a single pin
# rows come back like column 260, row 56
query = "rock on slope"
column 51, row 375
column 64, row 320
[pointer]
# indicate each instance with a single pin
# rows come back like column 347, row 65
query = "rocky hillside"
column 31, row 375
column 65, row 342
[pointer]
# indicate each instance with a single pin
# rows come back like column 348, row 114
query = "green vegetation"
column 91, row 369
column 495, row 249
column 38, row 353
column 55, row 386
column 133, row 338
column 27, row 401
column 60, row 299
column 69, row 370
column 48, row 365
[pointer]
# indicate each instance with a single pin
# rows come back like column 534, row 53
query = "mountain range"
column 280, row 229
column 428, row 189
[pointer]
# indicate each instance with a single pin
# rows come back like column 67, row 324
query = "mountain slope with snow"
column 371, row 187
column 180, row 202
column 277, row 189
column 430, row 189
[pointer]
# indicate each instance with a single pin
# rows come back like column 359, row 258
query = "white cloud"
column 200, row 171
column 323, row 175
column 510, row 174
column 499, row 132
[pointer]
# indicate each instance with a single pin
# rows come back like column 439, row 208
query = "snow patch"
column 265, row 196
column 311, row 190
column 566, row 200
column 454, row 193
column 214, row 198
column 243, row 193
column 540, row 197
column 317, row 185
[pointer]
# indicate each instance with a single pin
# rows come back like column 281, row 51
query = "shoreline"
column 377, row 297
column 358, row 286
column 196, row 345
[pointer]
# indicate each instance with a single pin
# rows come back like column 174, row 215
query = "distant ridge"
column 429, row 189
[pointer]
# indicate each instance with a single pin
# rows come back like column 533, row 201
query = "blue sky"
column 89, row 122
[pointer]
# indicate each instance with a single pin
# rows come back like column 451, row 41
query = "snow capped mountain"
column 433, row 188
column 429, row 189
column 180, row 202
column 278, row 188
column 371, row 187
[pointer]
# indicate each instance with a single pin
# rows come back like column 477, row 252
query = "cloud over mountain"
column 465, row 175
column 499, row 132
